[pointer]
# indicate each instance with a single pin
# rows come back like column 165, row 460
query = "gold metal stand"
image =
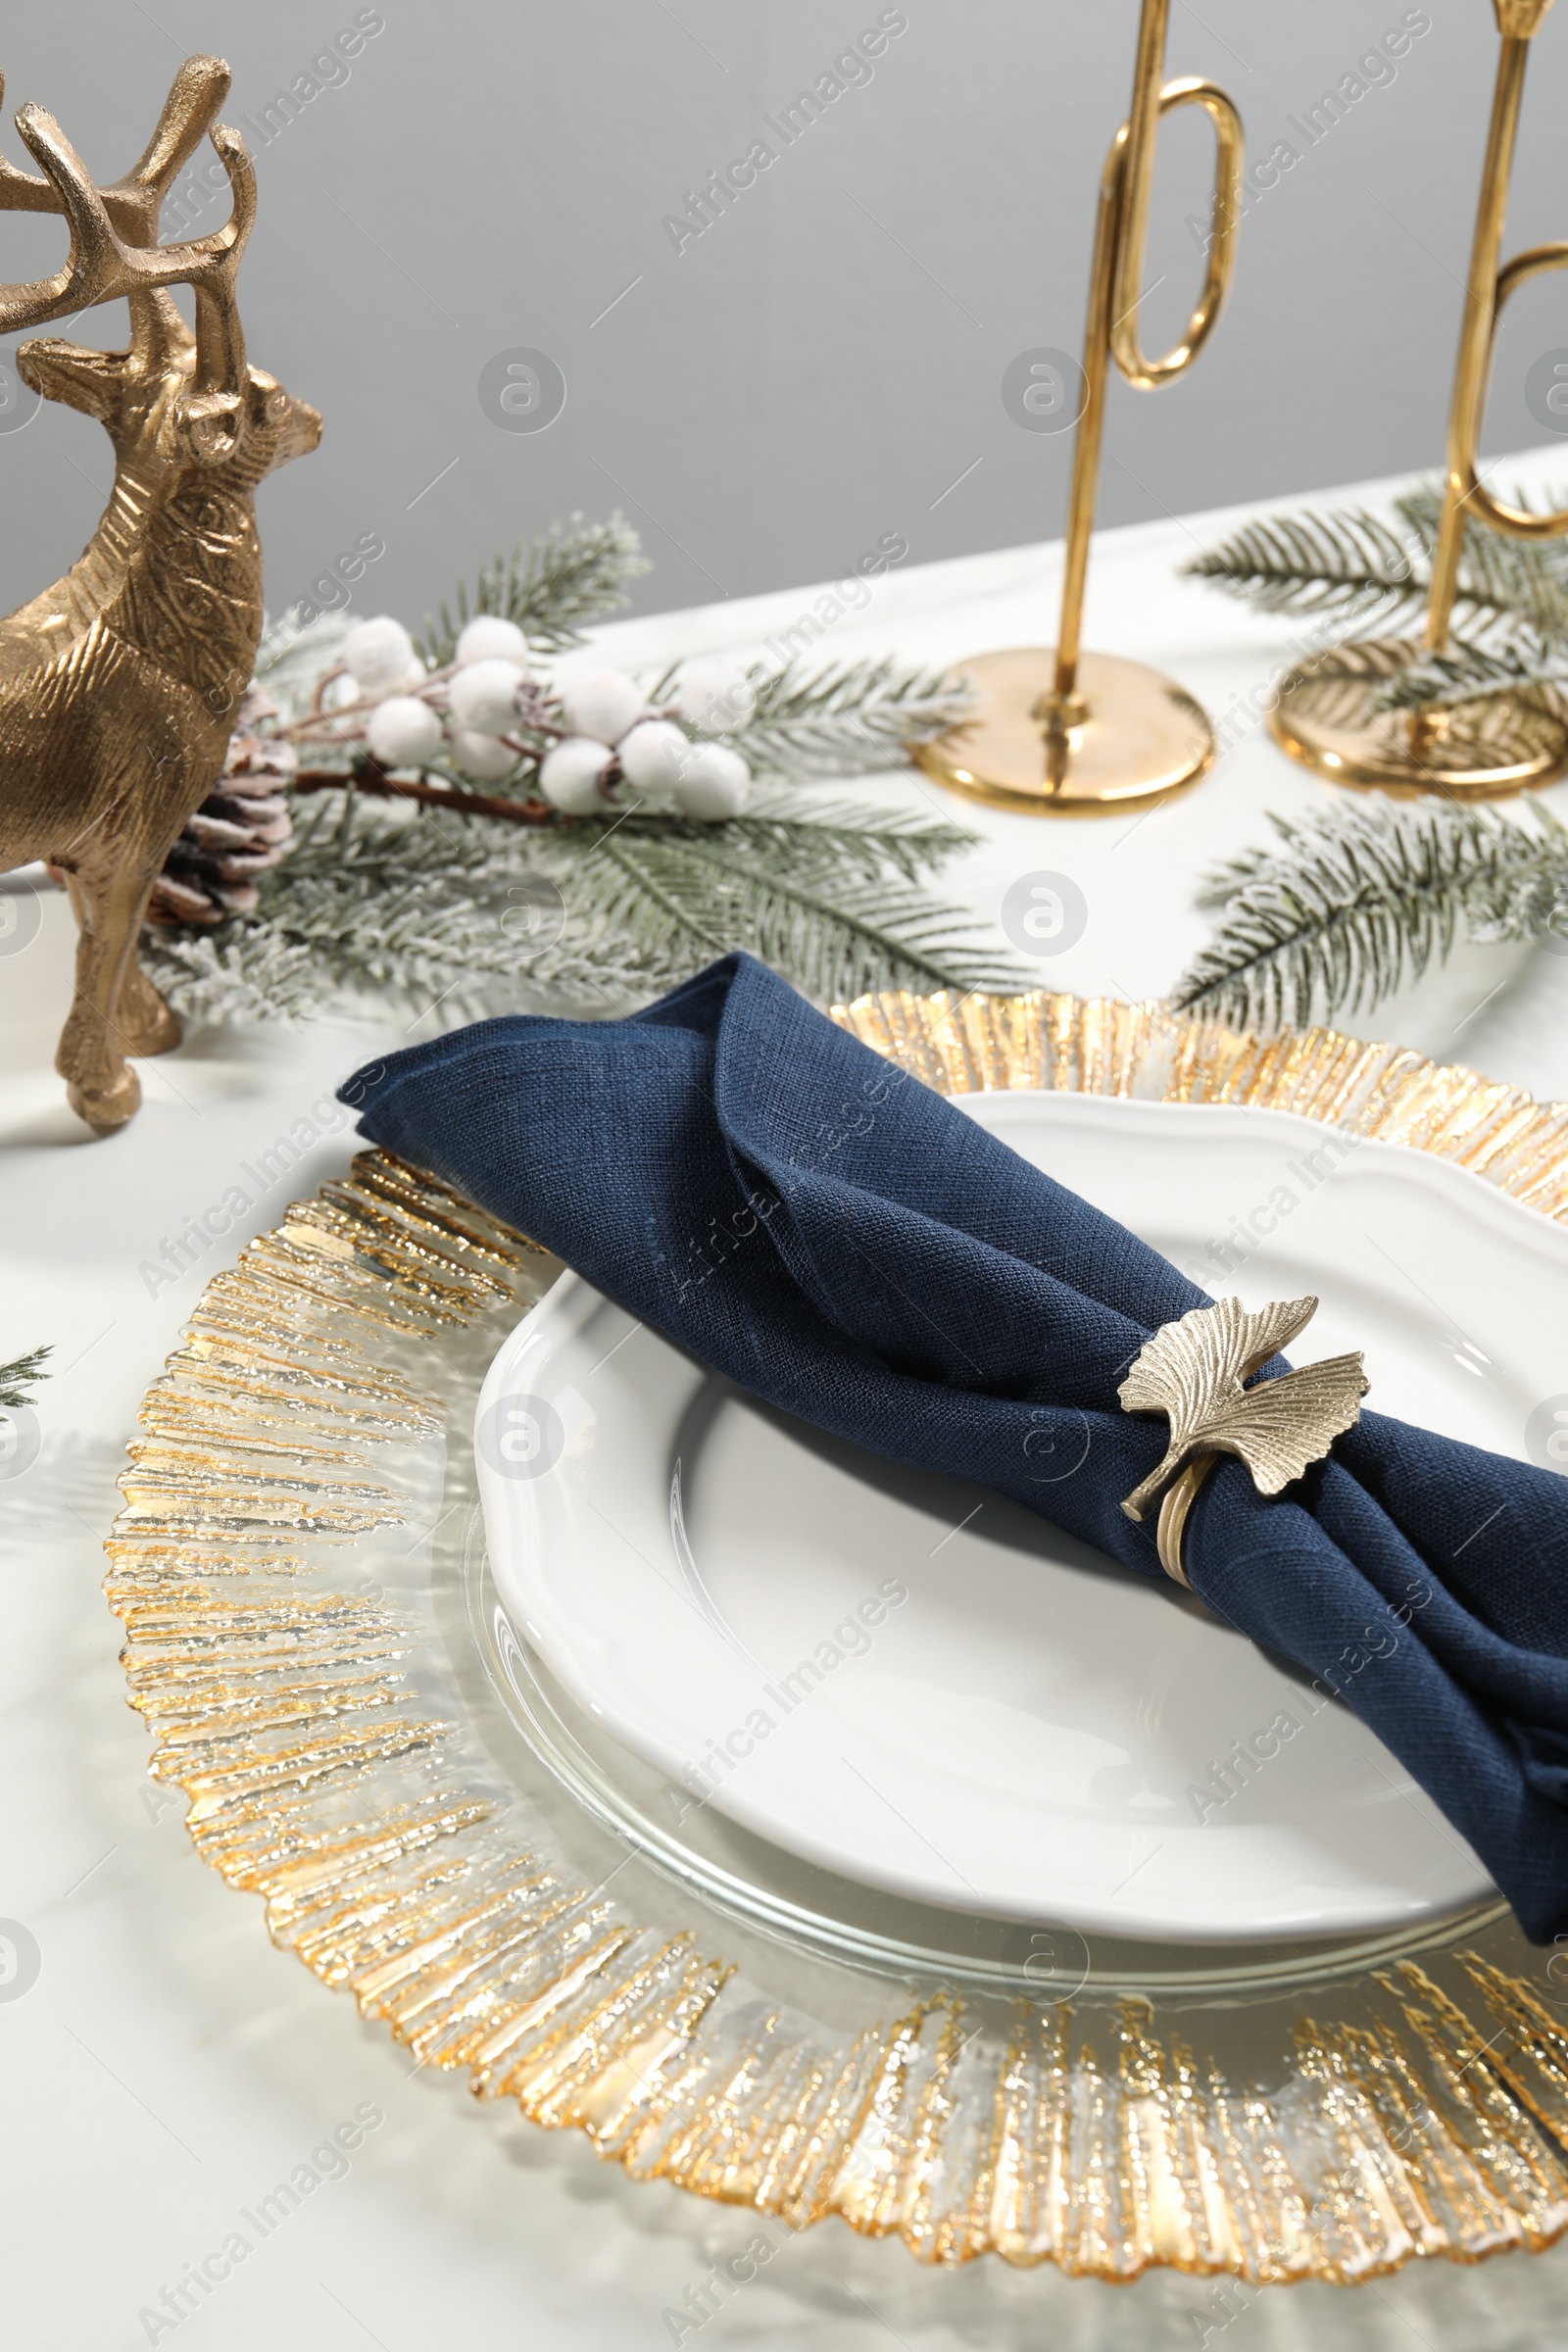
column 1057, row 733
column 1499, row 743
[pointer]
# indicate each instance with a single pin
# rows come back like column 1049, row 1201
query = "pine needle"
column 1355, row 567
column 854, row 718
column 247, row 971
column 1358, row 898
column 1470, row 669
column 290, row 659
column 1346, row 562
column 833, row 906
column 437, row 909
column 18, row 1376
column 549, row 585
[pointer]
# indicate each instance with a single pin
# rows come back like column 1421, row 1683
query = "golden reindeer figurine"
column 120, row 684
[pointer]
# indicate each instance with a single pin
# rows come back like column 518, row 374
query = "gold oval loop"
column 1131, row 231
column 1515, row 523
column 1180, row 1496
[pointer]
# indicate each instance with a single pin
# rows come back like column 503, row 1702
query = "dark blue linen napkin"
column 831, row 1235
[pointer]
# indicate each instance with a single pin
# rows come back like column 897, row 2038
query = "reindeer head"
column 175, row 400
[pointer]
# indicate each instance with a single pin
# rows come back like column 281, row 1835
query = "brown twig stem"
column 370, row 777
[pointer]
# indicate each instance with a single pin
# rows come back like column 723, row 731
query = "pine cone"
column 241, row 828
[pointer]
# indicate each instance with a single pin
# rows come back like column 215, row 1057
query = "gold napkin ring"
column 1196, row 1372
column 1179, row 1497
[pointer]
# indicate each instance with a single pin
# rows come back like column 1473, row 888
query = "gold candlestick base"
column 1127, row 738
column 1496, row 744
column 1479, row 751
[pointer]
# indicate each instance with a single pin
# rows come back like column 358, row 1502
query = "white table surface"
column 169, row 2066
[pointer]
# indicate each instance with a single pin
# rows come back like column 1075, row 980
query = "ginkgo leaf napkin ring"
column 1195, row 1370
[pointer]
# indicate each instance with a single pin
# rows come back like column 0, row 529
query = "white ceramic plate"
column 924, row 1687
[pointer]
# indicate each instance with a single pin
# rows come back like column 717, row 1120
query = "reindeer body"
column 119, row 685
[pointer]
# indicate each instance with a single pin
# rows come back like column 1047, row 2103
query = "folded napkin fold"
column 831, row 1235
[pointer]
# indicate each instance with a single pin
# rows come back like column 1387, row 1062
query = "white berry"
column 483, row 757
column 715, row 697
column 603, row 706
column 568, row 777
column 484, row 696
column 492, row 639
column 378, row 655
column 650, row 755
column 403, row 732
column 713, row 782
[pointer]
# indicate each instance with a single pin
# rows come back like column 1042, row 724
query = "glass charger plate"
column 367, row 1744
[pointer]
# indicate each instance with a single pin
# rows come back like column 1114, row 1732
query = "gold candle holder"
column 1499, row 743
column 1058, row 732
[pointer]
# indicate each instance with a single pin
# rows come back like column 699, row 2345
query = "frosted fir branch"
column 1226, row 879
column 824, row 905
column 1346, row 562
column 444, row 958
column 864, row 837
column 854, row 718
column 1375, row 578
column 244, row 971
column 22, row 1373
column 420, row 900
column 434, row 907
column 1470, row 669
column 551, row 585
column 291, row 659
column 1358, row 898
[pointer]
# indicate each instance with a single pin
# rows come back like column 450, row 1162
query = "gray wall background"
column 823, row 365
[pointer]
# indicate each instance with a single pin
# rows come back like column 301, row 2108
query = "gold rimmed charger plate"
column 367, row 1744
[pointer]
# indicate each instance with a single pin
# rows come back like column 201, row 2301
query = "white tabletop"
column 167, row 2066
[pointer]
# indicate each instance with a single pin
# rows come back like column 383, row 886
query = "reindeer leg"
column 146, row 1025
column 143, row 1022
column 101, row 1087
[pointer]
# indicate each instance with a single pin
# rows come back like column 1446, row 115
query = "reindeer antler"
column 20, row 192
column 101, row 267
column 133, row 203
column 113, row 248
column 190, row 110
